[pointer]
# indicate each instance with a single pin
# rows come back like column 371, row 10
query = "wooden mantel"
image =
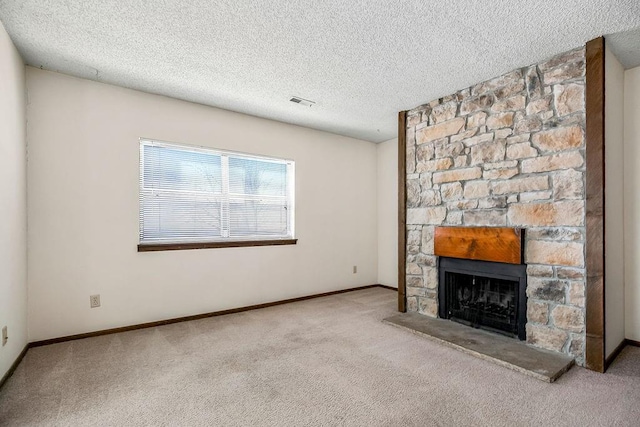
column 480, row 243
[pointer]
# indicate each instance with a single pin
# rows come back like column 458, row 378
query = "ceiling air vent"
column 302, row 101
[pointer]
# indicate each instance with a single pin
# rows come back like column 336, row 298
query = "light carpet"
column 322, row 362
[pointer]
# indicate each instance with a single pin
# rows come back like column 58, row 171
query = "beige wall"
column 83, row 211
column 388, row 213
column 614, row 230
column 632, row 202
column 13, row 205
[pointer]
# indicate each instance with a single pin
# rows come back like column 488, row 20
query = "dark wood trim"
column 618, row 350
column 194, row 317
column 154, row 247
column 496, row 244
column 391, row 288
column 595, row 143
column 14, row 366
column 609, row 360
column 402, row 211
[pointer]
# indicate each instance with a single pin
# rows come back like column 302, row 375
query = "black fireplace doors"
column 488, row 295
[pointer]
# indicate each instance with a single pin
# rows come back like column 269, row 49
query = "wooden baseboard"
column 387, row 287
column 619, row 349
column 195, row 317
column 632, row 343
column 14, row 366
column 609, row 360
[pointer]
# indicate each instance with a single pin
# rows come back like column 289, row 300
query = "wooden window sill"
column 154, row 247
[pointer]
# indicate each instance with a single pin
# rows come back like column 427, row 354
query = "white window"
column 195, row 195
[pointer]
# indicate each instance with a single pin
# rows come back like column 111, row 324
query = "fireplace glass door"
column 484, row 294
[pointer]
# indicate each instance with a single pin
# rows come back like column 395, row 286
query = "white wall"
column 388, row 213
column 614, row 206
column 632, row 202
column 83, row 211
column 13, row 203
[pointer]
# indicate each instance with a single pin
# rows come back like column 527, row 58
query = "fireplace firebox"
column 488, row 295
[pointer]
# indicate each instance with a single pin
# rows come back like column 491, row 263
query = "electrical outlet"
column 94, row 301
column 5, row 336
column 355, row 269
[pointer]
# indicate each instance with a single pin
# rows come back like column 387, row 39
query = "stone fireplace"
column 507, row 152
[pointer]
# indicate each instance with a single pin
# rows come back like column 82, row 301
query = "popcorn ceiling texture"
column 507, row 152
column 362, row 62
column 625, row 47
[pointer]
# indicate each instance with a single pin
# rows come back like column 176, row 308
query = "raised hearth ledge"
column 541, row 364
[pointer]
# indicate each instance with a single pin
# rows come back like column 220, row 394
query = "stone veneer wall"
column 507, row 152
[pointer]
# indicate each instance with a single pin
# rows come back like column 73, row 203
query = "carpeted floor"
column 327, row 361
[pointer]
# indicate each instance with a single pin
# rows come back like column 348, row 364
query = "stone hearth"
column 542, row 364
column 508, row 152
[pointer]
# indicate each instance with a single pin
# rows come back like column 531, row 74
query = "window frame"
column 222, row 242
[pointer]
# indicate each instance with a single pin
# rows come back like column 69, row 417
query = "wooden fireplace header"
column 480, row 243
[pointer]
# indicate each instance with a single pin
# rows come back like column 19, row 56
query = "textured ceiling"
column 626, row 47
column 361, row 61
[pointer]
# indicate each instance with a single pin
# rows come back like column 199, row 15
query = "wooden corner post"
column 402, row 211
column 595, row 143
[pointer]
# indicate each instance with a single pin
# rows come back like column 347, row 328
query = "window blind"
column 191, row 194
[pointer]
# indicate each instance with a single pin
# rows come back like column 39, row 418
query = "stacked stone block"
column 507, row 152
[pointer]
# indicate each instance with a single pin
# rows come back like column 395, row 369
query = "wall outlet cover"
column 94, row 301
